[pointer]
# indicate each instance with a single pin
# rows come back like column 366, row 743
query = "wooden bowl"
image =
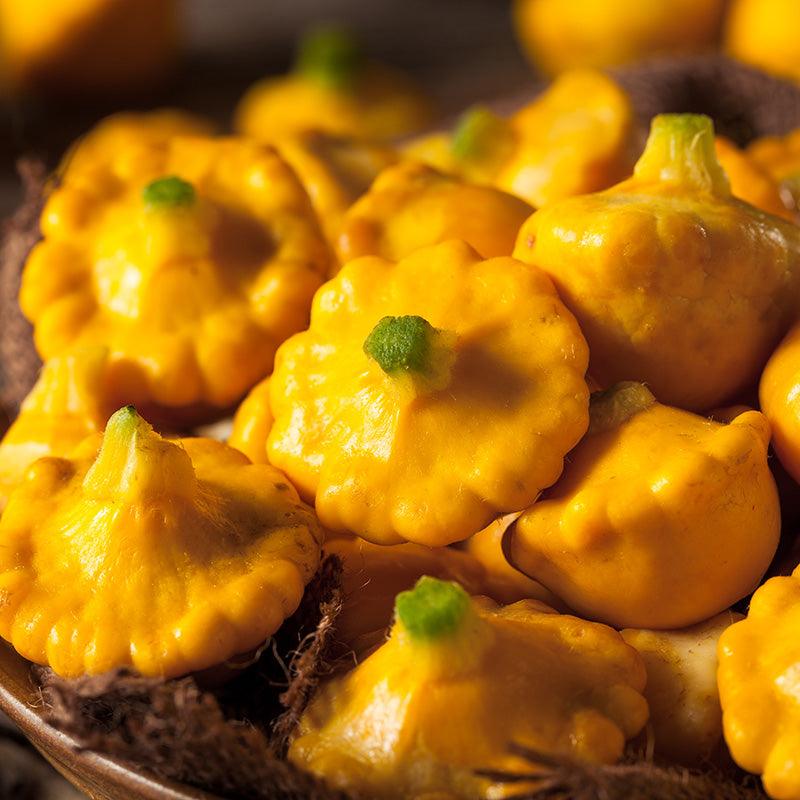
column 101, row 777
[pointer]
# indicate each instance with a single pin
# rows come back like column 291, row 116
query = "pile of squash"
column 509, row 374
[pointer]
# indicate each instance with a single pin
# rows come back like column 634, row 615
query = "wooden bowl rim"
column 90, row 771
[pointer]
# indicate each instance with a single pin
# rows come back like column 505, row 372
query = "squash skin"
column 367, row 447
column 410, row 206
column 604, row 33
column 764, row 33
column 635, row 542
column 68, row 403
column 191, row 301
column 167, row 557
column 674, row 282
column 757, row 680
column 419, row 715
column 780, row 401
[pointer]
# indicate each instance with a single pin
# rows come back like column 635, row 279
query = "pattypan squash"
column 503, row 582
column 673, row 281
column 751, row 182
column 759, row 682
column 119, row 131
column 412, row 205
column 575, row 137
column 374, row 574
column 779, row 397
column 67, row 404
column 681, row 691
column 458, row 681
column 192, row 259
column 779, row 155
column 661, row 519
column 335, row 170
column 164, row 556
column 428, row 395
column 252, row 424
column 603, row 33
column 764, row 33
column 79, row 47
column 334, row 88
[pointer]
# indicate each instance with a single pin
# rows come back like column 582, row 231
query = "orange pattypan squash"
column 428, row 395
column 191, row 259
column 412, row 205
column 68, row 402
column 164, row 556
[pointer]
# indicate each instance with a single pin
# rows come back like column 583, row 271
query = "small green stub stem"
column 610, row 408
column 680, row 148
column 331, row 56
column 476, row 133
column 169, row 192
column 433, row 609
column 401, row 343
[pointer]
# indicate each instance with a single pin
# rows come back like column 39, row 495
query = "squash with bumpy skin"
column 428, row 395
column 759, row 682
column 411, row 205
column 575, row 137
column 164, row 556
column 674, row 282
column 458, row 681
column 191, row 259
column 634, row 531
column 68, row 403
column 333, row 88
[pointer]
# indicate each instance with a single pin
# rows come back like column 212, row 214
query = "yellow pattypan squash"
column 252, row 424
column 167, row 557
column 503, row 582
column 575, row 137
column 751, row 182
column 68, row 402
column 778, row 155
column 779, row 396
column 681, row 691
column 673, row 281
column 759, row 683
column 118, row 132
column 603, row 33
column 458, row 681
column 335, row 170
column 191, row 259
column 77, row 47
column 411, row 205
column 661, row 519
column 428, row 395
column 334, row 88
column 764, row 33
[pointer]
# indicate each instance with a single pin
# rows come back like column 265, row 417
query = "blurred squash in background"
column 558, row 35
column 86, row 47
column 766, row 34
